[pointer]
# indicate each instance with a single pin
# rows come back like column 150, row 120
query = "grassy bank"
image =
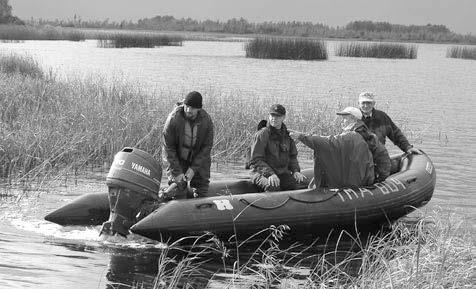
column 49, row 125
column 376, row 50
column 47, row 32
column 106, row 38
column 464, row 52
column 286, row 48
column 435, row 252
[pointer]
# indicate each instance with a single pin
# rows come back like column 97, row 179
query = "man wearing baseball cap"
column 382, row 125
column 188, row 141
column 274, row 164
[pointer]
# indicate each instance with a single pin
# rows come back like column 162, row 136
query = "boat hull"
column 235, row 208
column 304, row 211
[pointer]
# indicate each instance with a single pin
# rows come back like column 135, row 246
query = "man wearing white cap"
column 381, row 124
column 351, row 121
column 342, row 160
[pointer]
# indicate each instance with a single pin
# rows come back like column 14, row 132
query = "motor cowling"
column 134, row 183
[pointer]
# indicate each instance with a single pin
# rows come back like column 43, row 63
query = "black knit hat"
column 193, row 99
column 277, row 109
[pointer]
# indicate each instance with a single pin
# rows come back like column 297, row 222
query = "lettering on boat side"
column 223, row 205
column 140, row 169
column 429, row 168
column 388, row 186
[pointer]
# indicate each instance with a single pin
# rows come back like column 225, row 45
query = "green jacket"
column 342, row 160
column 174, row 138
column 273, row 151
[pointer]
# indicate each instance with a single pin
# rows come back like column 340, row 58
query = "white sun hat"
column 352, row 111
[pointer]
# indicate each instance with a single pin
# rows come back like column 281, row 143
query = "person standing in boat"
column 382, row 125
column 188, row 141
column 274, row 165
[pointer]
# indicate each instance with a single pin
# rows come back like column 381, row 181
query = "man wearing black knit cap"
column 188, row 141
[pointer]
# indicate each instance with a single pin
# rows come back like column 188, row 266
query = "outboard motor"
column 134, row 183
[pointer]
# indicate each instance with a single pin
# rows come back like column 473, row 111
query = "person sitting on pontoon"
column 274, row 164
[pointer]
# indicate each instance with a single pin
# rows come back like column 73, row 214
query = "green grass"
column 24, row 32
column 376, row 50
column 138, row 39
column 464, row 52
column 286, row 48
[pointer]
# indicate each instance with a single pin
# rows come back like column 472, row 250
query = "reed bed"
column 15, row 64
column 286, row 48
column 49, row 125
column 435, row 252
column 464, row 52
column 376, row 50
column 145, row 40
column 24, row 32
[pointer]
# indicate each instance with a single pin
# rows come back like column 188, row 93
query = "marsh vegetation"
column 145, row 40
column 464, row 52
column 286, row 48
column 47, row 32
column 376, row 50
column 433, row 252
column 49, row 125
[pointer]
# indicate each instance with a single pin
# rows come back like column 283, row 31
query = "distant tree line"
column 360, row 30
column 6, row 16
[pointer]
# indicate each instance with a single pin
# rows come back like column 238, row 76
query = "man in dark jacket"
column 188, row 140
column 274, row 161
column 382, row 125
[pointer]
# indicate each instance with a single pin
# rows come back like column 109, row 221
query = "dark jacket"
column 273, row 151
column 380, row 155
column 382, row 125
column 174, row 137
column 341, row 161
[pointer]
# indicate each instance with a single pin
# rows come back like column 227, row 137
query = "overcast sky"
column 458, row 15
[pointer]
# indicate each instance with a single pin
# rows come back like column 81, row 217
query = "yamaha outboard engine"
column 134, row 183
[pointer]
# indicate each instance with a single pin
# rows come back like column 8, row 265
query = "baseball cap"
column 366, row 96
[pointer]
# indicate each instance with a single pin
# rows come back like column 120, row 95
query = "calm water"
column 431, row 98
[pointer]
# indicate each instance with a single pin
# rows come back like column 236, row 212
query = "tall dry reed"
column 376, row 50
column 286, row 48
column 15, row 64
column 48, row 125
column 435, row 252
column 138, row 39
column 464, row 52
column 47, row 32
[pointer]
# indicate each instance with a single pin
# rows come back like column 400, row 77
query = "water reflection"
column 132, row 267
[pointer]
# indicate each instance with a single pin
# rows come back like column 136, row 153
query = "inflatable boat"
column 235, row 208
